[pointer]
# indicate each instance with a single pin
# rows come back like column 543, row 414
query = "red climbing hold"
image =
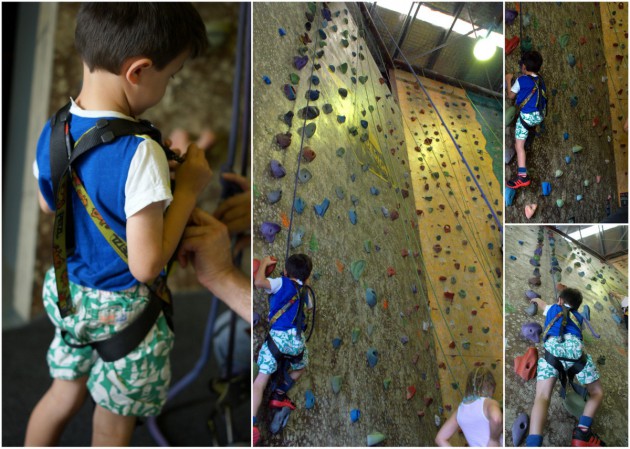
column 308, row 154
column 268, row 270
column 390, row 271
column 437, row 248
column 404, row 252
column 473, row 312
column 582, row 40
column 411, row 391
column 442, row 365
column 394, row 215
column 595, row 122
column 447, row 229
column 449, row 295
column 511, row 44
column 427, row 401
column 404, row 193
column 525, row 365
column 421, row 413
column 428, row 141
column 470, row 329
column 451, row 345
column 442, row 278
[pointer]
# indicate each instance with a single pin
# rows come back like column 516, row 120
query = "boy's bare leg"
column 519, row 146
column 110, row 429
column 296, row 374
column 63, row 399
column 595, row 397
column 544, row 389
column 258, row 388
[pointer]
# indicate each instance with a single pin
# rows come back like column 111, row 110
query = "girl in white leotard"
column 478, row 415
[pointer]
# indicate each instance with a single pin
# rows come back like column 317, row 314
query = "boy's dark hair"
column 107, row 34
column 533, row 61
column 299, row 266
column 572, row 297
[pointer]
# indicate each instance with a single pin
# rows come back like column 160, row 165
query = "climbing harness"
column 63, row 153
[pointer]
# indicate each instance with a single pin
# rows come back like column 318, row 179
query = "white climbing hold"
column 577, row 148
column 586, row 183
column 558, row 173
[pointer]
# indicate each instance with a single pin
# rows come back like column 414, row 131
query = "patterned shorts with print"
column 135, row 385
column 287, row 342
column 572, row 348
column 532, row 119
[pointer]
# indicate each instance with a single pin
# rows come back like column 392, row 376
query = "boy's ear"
column 134, row 68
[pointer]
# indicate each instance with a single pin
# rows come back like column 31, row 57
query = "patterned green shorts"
column 135, row 385
column 572, row 348
column 289, row 343
column 532, row 119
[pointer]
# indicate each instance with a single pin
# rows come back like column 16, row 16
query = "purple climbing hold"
column 300, row 61
column 531, row 331
column 531, row 294
column 277, row 170
column 326, row 14
column 289, row 91
column 256, row 319
column 520, row 428
column 404, row 339
column 538, row 251
column 534, row 262
column 510, row 16
column 269, row 231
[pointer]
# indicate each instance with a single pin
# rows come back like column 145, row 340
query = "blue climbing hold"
column 579, row 197
column 337, row 342
column 313, row 95
column 320, row 209
column 353, row 216
column 266, row 79
column 282, row 32
column 372, row 357
column 385, row 212
column 364, row 124
column 309, row 399
column 370, row 297
column 546, row 188
column 374, row 191
column 341, row 118
column 520, row 242
column 617, row 318
column 355, row 414
column 315, row 80
column 299, row 205
column 574, row 101
column 567, row 159
column 566, row 136
column 571, row 60
column 509, row 196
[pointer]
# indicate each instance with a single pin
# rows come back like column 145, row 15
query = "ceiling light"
column 484, row 49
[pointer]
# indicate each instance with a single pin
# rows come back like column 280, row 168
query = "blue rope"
column 457, row 147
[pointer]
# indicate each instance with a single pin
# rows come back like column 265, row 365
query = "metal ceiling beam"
column 377, row 36
column 444, row 37
column 449, row 80
column 406, row 27
column 578, row 243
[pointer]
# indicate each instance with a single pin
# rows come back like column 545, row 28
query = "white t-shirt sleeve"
column 516, row 87
column 276, row 284
column 547, row 309
column 35, row 169
column 148, row 180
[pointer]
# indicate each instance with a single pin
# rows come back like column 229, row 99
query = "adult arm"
column 206, row 244
column 495, row 418
column 447, row 431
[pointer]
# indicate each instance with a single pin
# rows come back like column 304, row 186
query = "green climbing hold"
column 256, row 191
column 485, row 330
column 462, row 294
column 526, row 44
column 564, row 40
column 345, row 43
column 472, row 269
column 374, row 438
column 312, row 7
column 510, row 113
column 466, row 345
column 367, row 245
column 363, row 79
column 356, row 332
column 577, row 149
column 313, row 245
column 341, row 151
column 356, row 268
column 294, row 78
column 559, row 202
column 343, row 67
column 386, row 383
column 309, row 130
column 335, row 383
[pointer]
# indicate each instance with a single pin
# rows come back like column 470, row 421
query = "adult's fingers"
column 242, row 182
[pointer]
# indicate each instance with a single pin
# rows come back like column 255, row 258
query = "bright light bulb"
column 484, row 49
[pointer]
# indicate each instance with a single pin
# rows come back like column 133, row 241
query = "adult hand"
column 235, row 212
column 206, row 244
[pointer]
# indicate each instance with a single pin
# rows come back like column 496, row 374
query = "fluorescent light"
column 439, row 19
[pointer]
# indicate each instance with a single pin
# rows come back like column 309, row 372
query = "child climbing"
column 284, row 345
column 98, row 289
column 478, row 415
column 531, row 98
column 565, row 359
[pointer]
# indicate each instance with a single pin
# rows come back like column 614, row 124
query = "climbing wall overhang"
column 525, row 248
column 462, row 242
column 355, row 218
column 573, row 150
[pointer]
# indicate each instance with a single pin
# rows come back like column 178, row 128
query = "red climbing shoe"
column 281, row 400
column 585, row 439
column 255, row 436
column 518, row 181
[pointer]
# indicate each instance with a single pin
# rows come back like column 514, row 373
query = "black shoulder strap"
column 58, row 151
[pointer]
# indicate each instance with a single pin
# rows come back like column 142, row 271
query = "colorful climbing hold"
column 269, row 231
column 276, row 168
column 320, row 209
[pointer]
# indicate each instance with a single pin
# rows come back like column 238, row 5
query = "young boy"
column 570, row 347
column 531, row 98
column 285, row 330
column 129, row 53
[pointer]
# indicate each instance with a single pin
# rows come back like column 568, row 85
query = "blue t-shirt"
column 280, row 296
column 525, row 86
column 570, row 328
column 104, row 171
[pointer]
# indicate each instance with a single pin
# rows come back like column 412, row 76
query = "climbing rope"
column 457, row 147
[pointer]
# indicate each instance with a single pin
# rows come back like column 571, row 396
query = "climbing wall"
column 354, row 215
column 615, row 29
column 573, row 149
column 462, row 242
column 595, row 280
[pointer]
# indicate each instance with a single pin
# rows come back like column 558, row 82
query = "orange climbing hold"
column 385, row 304
column 411, row 391
column 340, row 266
column 285, row 220
column 525, row 365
